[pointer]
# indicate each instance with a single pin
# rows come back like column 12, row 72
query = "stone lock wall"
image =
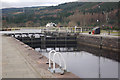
column 105, row 42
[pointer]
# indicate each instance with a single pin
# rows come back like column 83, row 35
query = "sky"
column 29, row 3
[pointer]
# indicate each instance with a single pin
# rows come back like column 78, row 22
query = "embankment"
column 98, row 41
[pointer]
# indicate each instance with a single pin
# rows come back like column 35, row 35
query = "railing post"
column 50, row 58
column 81, row 30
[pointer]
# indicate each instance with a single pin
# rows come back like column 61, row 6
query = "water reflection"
column 89, row 65
column 86, row 62
column 102, row 52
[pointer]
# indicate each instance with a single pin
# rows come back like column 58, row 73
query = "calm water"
column 86, row 65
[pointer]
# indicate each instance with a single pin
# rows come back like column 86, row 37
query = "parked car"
column 96, row 30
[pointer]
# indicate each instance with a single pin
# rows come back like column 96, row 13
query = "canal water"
column 87, row 65
column 87, row 62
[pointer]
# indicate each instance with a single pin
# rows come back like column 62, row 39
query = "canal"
column 87, row 65
column 86, row 61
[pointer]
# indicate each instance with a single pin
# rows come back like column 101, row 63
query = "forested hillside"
column 67, row 14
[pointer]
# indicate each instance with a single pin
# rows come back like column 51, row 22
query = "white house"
column 51, row 25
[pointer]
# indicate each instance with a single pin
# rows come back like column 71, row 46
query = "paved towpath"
column 21, row 61
column 15, row 64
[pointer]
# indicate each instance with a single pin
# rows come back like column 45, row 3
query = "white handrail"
column 52, row 51
column 60, row 58
column 60, row 61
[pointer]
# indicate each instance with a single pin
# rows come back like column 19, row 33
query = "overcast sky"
column 29, row 3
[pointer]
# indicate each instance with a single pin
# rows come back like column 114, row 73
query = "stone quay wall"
column 104, row 42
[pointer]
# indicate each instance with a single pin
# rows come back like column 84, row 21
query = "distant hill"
column 67, row 14
column 12, row 10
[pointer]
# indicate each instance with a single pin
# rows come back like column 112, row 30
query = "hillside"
column 67, row 14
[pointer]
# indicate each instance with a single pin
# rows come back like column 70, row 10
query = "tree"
column 72, row 23
column 37, row 24
column 29, row 24
column 4, row 23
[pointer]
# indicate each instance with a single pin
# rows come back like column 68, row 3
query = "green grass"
column 116, row 35
column 116, row 32
column 85, row 32
column 105, row 31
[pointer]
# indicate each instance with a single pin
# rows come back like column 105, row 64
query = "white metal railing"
column 60, row 55
column 52, row 51
column 62, row 29
column 60, row 58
